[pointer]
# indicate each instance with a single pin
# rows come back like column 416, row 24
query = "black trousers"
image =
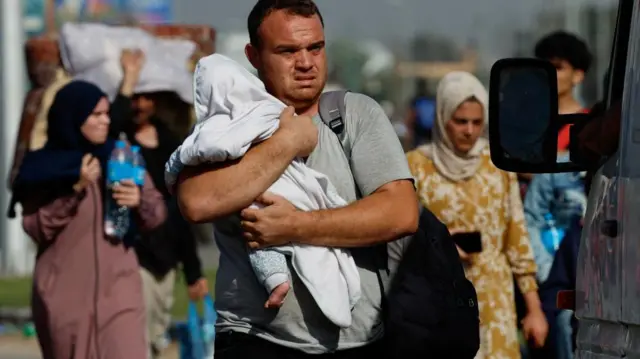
column 243, row 346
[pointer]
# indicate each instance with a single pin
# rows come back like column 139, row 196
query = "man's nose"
column 303, row 61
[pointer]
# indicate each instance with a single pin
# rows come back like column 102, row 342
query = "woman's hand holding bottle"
column 127, row 194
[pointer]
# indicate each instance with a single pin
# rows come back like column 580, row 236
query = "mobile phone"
column 470, row 242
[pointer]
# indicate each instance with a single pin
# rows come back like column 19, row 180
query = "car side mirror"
column 523, row 118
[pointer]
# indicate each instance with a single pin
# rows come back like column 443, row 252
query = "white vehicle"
column 523, row 130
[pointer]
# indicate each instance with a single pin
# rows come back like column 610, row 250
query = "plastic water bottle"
column 119, row 168
column 551, row 235
column 138, row 164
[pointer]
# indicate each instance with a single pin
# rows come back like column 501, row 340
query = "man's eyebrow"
column 287, row 47
column 317, row 44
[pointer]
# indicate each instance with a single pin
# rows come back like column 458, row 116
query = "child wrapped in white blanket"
column 234, row 111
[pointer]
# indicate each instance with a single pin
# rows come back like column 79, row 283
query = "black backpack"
column 430, row 309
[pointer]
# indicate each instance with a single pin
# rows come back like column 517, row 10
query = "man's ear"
column 578, row 77
column 251, row 52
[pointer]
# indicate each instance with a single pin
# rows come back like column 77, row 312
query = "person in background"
column 558, row 197
column 561, row 196
column 457, row 181
column 572, row 59
column 174, row 242
column 562, row 277
column 87, row 293
column 422, row 112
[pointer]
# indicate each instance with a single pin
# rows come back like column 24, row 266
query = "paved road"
column 18, row 348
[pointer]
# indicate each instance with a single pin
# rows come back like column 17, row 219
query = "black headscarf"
column 56, row 166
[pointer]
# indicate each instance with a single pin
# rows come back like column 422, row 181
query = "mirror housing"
column 523, row 118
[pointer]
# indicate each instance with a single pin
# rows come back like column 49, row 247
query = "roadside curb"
column 16, row 316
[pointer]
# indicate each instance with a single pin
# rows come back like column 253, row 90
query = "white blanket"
column 233, row 112
column 91, row 52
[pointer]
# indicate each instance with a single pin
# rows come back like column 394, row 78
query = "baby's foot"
column 276, row 298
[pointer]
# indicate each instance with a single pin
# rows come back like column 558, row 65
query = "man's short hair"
column 562, row 45
column 263, row 8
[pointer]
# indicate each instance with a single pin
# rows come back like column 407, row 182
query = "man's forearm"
column 381, row 217
column 207, row 193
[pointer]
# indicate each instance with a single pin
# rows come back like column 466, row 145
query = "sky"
column 488, row 22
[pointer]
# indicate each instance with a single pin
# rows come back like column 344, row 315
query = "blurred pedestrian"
column 559, row 196
column 173, row 243
column 421, row 116
column 87, row 294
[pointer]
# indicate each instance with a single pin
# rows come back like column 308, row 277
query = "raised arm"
column 206, row 193
column 121, row 111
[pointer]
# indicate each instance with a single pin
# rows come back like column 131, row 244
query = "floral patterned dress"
column 488, row 202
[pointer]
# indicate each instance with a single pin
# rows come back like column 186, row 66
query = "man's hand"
column 300, row 130
column 198, row 290
column 271, row 225
column 535, row 328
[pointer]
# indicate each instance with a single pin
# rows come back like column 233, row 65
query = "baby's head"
column 221, row 84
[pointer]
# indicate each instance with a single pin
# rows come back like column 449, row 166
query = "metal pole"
column 14, row 245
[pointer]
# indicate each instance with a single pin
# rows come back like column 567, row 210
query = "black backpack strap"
column 332, row 111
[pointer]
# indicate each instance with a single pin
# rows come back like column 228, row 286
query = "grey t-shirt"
column 377, row 158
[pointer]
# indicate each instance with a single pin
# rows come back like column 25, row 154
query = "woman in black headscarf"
column 87, row 300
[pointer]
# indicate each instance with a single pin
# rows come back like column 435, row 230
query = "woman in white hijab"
column 457, row 181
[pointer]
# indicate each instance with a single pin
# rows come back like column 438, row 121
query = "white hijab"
column 453, row 90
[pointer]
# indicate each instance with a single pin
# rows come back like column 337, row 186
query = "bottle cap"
column 135, row 149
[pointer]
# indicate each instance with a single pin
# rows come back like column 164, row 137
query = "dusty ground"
column 19, row 348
